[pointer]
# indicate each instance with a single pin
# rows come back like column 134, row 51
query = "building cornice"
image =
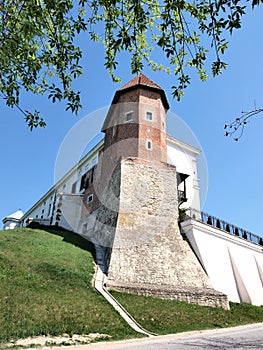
column 175, row 142
column 213, row 231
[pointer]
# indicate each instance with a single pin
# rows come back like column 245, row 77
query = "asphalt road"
column 238, row 338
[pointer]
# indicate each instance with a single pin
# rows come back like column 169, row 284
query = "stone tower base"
column 200, row 296
column 149, row 255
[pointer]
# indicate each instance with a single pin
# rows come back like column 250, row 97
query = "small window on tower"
column 128, row 116
column 149, row 116
column 149, row 144
column 114, row 131
column 90, row 198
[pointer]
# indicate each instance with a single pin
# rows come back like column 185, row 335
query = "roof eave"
column 134, row 87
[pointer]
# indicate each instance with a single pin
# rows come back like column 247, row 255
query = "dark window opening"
column 73, row 187
column 49, row 210
column 92, row 177
column 149, row 116
column 90, row 198
column 129, row 116
column 84, row 183
column 149, row 144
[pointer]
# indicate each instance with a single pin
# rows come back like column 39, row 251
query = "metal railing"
column 181, row 197
column 223, row 225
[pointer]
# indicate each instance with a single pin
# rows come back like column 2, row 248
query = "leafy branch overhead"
column 236, row 128
column 39, row 53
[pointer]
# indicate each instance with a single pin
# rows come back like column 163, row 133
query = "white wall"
column 184, row 159
column 233, row 264
column 44, row 207
column 10, row 225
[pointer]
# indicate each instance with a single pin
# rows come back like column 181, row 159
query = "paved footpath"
column 248, row 337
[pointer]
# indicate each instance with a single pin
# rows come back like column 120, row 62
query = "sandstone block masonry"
column 149, row 255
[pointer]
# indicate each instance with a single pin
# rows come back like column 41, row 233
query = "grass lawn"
column 168, row 316
column 45, row 279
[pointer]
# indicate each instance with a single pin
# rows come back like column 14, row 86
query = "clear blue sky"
column 235, row 168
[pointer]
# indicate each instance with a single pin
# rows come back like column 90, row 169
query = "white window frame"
column 126, row 116
column 148, row 113
column 149, row 143
column 88, row 198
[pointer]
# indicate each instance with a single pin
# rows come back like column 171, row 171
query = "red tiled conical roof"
column 141, row 79
column 138, row 82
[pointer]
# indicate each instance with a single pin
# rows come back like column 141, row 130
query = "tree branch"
column 236, row 128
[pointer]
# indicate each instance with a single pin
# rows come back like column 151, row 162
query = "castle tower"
column 137, row 121
column 138, row 221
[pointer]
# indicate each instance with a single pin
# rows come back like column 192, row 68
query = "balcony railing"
column 181, row 197
column 223, row 225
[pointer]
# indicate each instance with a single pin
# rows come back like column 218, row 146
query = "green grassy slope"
column 45, row 287
column 168, row 316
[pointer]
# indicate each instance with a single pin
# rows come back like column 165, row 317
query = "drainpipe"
column 99, row 286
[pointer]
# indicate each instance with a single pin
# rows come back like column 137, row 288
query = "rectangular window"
column 73, row 187
column 149, row 144
column 93, row 174
column 149, row 116
column 83, row 183
column 84, row 228
column 114, row 131
column 128, row 116
column 90, row 198
column 49, row 210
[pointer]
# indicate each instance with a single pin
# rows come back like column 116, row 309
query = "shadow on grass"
column 68, row 237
